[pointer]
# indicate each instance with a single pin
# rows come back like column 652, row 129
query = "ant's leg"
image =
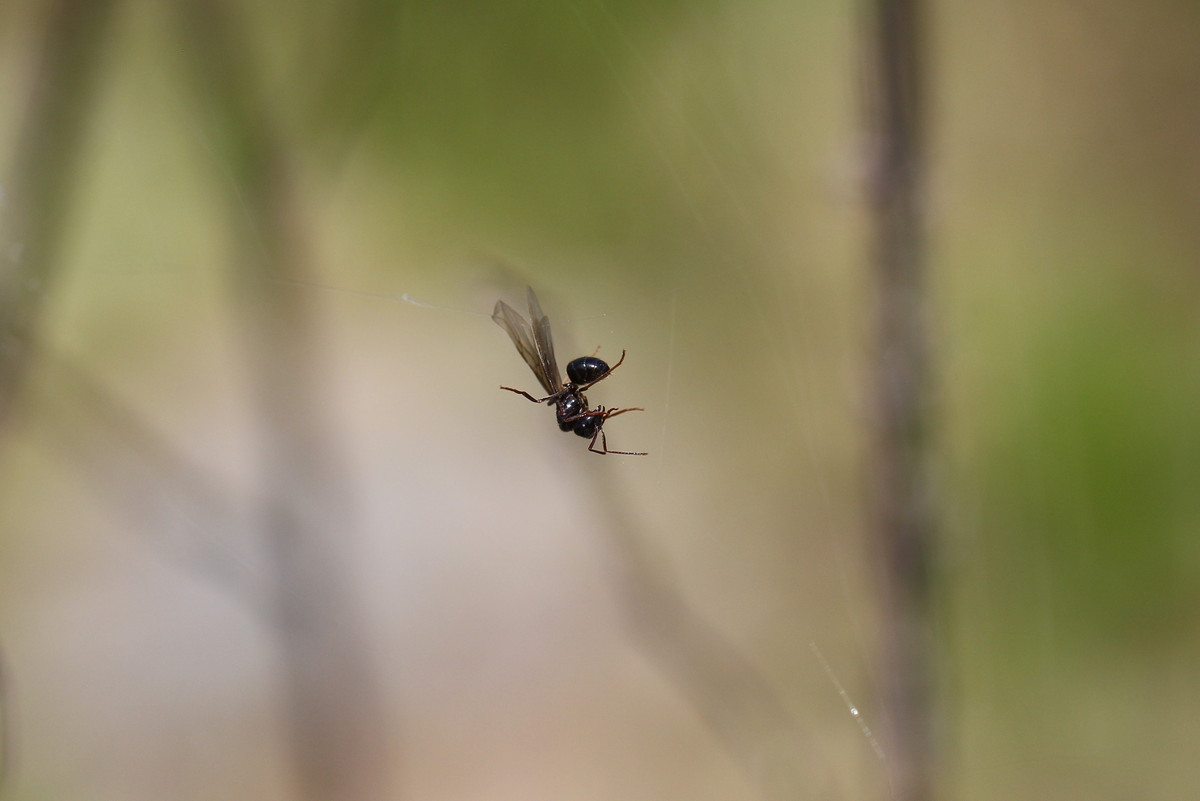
column 604, row 438
column 606, row 450
column 603, row 415
column 615, row 412
column 626, row 453
column 530, row 397
column 605, row 374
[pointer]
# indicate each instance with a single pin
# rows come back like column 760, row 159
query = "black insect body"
column 587, row 369
column 569, row 409
column 533, row 341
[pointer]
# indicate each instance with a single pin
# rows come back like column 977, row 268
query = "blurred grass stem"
column 40, row 181
column 334, row 713
column 34, row 214
column 725, row 688
column 903, row 515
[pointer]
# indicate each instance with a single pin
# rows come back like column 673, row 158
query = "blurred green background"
column 681, row 180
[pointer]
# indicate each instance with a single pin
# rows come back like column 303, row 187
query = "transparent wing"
column 522, row 336
column 543, row 340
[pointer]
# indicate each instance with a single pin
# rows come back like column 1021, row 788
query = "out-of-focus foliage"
column 681, row 180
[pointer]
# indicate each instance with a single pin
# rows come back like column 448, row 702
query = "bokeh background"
column 268, row 529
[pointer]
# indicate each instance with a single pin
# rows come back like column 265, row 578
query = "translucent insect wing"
column 522, row 336
column 542, row 339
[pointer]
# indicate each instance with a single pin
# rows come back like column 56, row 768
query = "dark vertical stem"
column 334, row 714
column 903, row 517
column 38, row 186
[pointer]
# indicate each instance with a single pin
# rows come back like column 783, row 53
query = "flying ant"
column 534, row 343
